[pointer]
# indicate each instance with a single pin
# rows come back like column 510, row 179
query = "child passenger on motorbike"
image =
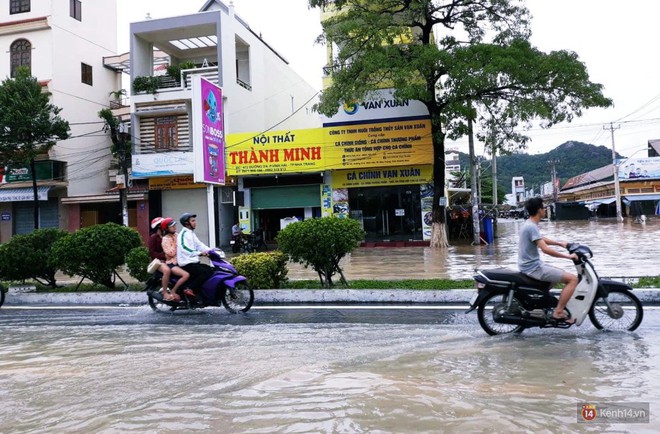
column 156, row 252
column 529, row 261
column 168, row 226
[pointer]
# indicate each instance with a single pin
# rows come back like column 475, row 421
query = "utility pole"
column 476, row 239
column 121, row 149
column 617, row 191
column 125, row 153
column 494, row 169
column 555, row 190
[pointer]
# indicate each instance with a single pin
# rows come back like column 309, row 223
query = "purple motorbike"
column 225, row 287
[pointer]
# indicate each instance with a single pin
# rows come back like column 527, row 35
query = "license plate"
column 474, row 298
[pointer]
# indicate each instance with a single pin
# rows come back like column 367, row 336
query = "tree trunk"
column 34, row 191
column 439, row 214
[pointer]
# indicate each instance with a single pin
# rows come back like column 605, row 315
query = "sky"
column 617, row 42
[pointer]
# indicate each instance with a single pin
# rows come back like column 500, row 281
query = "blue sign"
column 5, row 216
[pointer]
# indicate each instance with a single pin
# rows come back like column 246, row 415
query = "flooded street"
column 131, row 370
column 620, row 250
column 337, row 369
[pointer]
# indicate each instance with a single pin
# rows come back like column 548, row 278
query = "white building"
column 260, row 92
column 63, row 43
column 518, row 189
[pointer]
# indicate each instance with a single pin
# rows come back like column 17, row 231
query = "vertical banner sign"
column 209, row 135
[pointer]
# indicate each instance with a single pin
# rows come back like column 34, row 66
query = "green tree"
column 95, row 252
column 321, row 243
column 29, row 125
column 463, row 59
column 28, row 257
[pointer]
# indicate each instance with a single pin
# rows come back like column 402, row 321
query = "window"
column 166, row 132
column 20, row 55
column 243, row 63
column 86, row 74
column 19, row 6
column 75, row 9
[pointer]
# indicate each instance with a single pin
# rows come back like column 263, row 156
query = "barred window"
column 20, row 53
column 86, row 74
column 75, row 9
column 19, row 6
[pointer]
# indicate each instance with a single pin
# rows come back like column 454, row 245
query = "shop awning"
column 593, row 204
column 23, row 194
column 641, row 197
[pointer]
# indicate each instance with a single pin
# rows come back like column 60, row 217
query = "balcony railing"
column 166, row 82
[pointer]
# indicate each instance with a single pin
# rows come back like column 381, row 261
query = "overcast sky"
column 617, row 41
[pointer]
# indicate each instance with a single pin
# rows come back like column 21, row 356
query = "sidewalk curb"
column 278, row 296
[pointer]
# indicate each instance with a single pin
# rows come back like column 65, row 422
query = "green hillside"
column 574, row 159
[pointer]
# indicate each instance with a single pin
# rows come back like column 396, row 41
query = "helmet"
column 167, row 223
column 185, row 217
column 155, row 222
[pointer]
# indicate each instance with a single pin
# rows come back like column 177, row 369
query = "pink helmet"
column 155, row 222
column 167, row 222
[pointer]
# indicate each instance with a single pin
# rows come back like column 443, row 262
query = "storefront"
column 388, row 213
column 369, row 162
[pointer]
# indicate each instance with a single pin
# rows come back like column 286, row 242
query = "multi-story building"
column 63, row 43
column 260, row 92
column 518, row 189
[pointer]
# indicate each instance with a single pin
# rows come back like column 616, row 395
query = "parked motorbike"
column 241, row 243
column 509, row 302
column 225, row 287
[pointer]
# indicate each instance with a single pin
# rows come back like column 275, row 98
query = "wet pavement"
column 323, row 371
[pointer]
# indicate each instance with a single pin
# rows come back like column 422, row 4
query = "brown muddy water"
column 620, row 250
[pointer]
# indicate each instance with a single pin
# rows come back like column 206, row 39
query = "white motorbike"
column 509, row 302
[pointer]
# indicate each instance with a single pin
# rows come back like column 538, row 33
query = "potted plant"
column 174, row 71
column 146, row 84
column 117, row 96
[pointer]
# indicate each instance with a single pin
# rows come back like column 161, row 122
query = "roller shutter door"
column 286, row 197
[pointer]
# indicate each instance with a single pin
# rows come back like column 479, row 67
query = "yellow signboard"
column 275, row 152
column 382, row 176
column 174, row 183
column 383, row 144
column 379, row 144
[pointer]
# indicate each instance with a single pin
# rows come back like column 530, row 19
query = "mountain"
column 574, row 158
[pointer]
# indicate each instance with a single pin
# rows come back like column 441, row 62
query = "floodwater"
column 620, row 250
column 70, row 372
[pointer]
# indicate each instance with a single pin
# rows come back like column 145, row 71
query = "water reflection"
column 318, row 378
column 620, row 250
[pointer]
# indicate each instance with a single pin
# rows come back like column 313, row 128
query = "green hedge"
column 95, row 252
column 137, row 261
column 266, row 270
column 321, row 243
column 28, row 257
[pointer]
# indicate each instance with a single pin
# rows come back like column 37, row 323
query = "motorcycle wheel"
column 485, row 313
column 626, row 311
column 158, row 305
column 238, row 299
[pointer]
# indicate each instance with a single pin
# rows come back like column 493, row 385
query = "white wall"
column 176, row 202
column 274, row 86
column 56, row 58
